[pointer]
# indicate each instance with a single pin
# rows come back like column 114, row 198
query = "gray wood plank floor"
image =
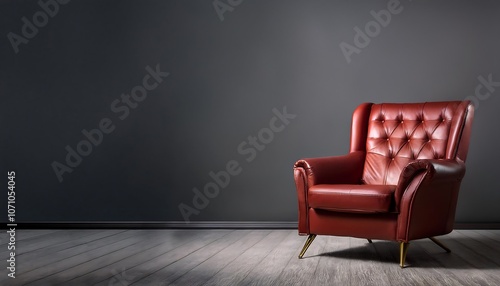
column 244, row 257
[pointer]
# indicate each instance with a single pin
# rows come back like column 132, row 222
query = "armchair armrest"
column 432, row 170
column 345, row 169
column 426, row 197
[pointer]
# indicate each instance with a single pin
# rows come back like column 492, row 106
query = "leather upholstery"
column 400, row 180
column 352, row 198
column 345, row 169
column 400, row 133
column 373, row 226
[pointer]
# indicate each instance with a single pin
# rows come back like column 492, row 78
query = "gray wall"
column 227, row 72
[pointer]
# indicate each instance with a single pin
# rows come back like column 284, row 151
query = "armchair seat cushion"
column 352, row 198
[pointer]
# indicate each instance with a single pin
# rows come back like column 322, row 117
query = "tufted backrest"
column 399, row 133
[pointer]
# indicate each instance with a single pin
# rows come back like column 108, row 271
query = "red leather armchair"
column 400, row 180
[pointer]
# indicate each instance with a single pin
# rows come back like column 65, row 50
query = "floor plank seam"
column 183, row 258
column 54, row 273
column 160, row 243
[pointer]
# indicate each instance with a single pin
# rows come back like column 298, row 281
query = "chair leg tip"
column 306, row 245
column 403, row 249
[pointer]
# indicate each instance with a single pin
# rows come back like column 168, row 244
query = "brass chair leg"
column 440, row 244
column 369, row 240
column 403, row 249
column 309, row 240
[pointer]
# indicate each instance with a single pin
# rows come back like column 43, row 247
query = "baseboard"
column 194, row 225
column 160, row 225
column 468, row 225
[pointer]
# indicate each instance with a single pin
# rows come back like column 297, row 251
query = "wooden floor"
column 244, row 257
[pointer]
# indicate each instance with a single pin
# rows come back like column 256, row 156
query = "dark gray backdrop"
column 228, row 70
